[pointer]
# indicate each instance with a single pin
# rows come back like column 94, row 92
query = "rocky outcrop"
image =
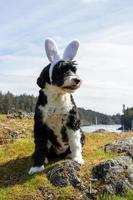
column 65, row 174
column 20, row 115
column 115, row 174
column 7, row 135
column 100, row 131
column 120, row 146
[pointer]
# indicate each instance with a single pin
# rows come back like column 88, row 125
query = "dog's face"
column 63, row 76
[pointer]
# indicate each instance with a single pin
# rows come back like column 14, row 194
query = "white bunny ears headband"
column 54, row 55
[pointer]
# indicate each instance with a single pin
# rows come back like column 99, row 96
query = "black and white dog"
column 57, row 130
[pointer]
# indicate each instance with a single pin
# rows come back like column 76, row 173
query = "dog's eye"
column 64, row 69
column 73, row 69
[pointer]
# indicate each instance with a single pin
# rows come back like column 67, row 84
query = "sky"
column 105, row 57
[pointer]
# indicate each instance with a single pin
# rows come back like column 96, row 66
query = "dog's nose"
column 76, row 80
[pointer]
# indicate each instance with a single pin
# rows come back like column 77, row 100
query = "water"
column 110, row 128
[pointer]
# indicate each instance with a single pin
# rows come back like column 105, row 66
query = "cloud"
column 106, row 70
column 21, row 65
column 105, row 60
column 18, row 84
column 117, row 34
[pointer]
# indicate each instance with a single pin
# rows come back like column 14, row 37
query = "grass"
column 129, row 196
column 15, row 161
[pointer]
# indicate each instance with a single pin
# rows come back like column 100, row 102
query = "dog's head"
column 61, row 72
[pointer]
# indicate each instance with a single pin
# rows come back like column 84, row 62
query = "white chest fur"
column 58, row 103
column 56, row 111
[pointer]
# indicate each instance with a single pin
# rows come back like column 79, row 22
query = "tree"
column 127, row 118
column 10, row 103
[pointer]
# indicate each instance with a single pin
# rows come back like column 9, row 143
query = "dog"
column 57, row 131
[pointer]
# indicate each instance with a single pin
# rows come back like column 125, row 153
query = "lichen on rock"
column 116, row 174
column 120, row 146
column 64, row 174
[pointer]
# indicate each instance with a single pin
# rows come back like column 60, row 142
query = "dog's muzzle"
column 73, row 84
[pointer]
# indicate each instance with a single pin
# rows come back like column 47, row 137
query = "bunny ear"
column 71, row 50
column 52, row 50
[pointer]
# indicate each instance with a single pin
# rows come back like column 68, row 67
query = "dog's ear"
column 52, row 50
column 71, row 50
column 44, row 77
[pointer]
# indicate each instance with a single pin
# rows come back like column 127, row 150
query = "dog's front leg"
column 41, row 149
column 74, row 138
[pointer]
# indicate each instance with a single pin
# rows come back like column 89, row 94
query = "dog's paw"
column 69, row 156
column 46, row 161
column 34, row 170
column 79, row 160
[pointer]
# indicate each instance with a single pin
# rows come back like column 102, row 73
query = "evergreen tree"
column 10, row 103
column 127, row 118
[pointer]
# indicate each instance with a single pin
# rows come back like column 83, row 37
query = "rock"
column 8, row 129
column 120, row 128
column 20, row 115
column 50, row 197
column 101, row 130
column 10, row 116
column 130, row 153
column 64, row 174
column 5, row 137
column 91, row 195
column 115, row 174
column 23, row 131
column 120, row 146
column 14, row 134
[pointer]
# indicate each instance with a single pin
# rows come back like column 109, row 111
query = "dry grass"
column 15, row 161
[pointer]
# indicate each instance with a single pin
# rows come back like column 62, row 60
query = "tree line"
column 127, row 119
column 10, row 103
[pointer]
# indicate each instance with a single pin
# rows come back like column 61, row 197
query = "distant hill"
column 89, row 117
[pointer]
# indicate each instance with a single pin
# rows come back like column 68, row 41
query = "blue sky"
column 105, row 57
